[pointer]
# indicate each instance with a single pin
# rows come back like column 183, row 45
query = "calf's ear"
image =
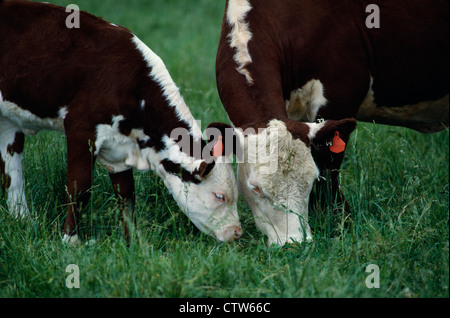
column 204, row 169
column 331, row 133
column 222, row 140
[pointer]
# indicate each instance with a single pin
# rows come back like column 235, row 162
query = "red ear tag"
column 218, row 148
column 338, row 145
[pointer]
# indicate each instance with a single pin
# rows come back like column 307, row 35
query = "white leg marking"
column 17, row 203
column 16, row 200
column 71, row 240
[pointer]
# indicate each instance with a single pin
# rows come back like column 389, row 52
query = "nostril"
column 237, row 232
column 232, row 233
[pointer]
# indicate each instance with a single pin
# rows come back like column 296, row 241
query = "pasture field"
column 396, row 180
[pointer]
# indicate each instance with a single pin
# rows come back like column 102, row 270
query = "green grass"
column 396, row 180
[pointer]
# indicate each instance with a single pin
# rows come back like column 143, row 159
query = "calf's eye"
column 219, row 197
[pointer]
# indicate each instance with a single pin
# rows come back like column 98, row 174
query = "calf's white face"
column 209, row 199
column 212, row 204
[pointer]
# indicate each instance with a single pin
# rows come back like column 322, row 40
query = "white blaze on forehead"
column 305, row 102
column 240, row 34
column 161, row 75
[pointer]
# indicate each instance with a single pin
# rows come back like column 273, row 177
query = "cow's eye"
column 256, row 189
column 219, row 197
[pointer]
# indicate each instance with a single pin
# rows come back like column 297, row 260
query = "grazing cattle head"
column 204, row 189
column 204, row 186
column 209, row 199
column 276, row 172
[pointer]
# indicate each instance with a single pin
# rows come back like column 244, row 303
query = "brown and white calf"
column 283, row 65
column 116, row 102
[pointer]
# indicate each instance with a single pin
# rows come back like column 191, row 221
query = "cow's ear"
column 333, row 134
column 222, row 140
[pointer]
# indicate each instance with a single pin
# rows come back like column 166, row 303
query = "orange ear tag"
column 338, row 144
column 218, row 148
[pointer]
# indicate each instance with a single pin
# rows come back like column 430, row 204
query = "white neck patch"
column 305, row 102
column 161, row 75
column 240, row 34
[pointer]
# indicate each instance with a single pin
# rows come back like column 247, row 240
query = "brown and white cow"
column 116, row 102
column 283, row 65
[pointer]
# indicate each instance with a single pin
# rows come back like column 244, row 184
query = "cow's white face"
column 211, row 204
column 277, row 184
column 277, row 172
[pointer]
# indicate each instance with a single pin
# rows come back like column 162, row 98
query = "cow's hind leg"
column 11, row 147
column 123, row 184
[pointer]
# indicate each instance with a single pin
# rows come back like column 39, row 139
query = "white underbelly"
column 27, row 121
column 426, row 117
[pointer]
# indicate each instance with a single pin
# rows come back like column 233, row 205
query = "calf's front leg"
column 123, row 184
column 80, row 163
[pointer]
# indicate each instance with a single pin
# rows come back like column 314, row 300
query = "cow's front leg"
column 327, row 188
column 80, row 163
column 123, row 184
